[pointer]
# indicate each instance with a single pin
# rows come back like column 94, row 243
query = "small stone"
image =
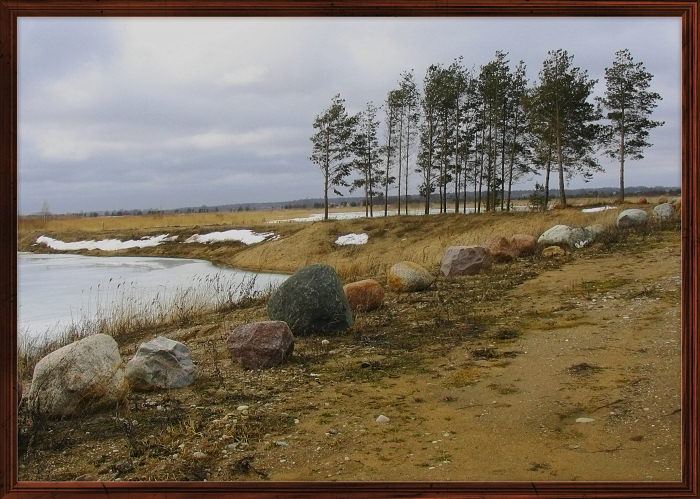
column 242, row 408
column 584, row 420
column 281, row 443
column 325, row 342
column 382, row 419
column 199, row 455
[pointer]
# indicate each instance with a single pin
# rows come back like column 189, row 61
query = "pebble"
column 242, row 408
column 585, row 420
column 281, row 443
column 325, row 342
column 382, row 419
column 199, row 455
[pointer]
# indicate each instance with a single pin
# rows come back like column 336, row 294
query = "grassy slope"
column 416, row 238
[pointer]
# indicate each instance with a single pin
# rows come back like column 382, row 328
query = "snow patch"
column 246, row 236
column 352, row 239
column 105, row 244
column 598, row 208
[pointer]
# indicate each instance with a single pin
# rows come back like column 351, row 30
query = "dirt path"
column 601, row 340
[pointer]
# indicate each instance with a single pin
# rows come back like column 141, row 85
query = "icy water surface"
column 56, row 290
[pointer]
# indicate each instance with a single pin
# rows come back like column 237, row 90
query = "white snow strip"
column 104, row 244
column 599, row 208
column 352, row 239
column 246, row 236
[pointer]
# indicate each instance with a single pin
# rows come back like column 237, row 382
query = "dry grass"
column 416, row 238
column 126, row 316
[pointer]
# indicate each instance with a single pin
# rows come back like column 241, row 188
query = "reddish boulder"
column 524, row 243
column 642, row 201
column 364, row 295
column 261, row 344
column 501, row 249
column 465, row 260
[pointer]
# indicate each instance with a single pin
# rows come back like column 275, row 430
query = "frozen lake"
column 56, row 290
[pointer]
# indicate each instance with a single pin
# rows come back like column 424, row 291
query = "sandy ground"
column 612, row 356
column 596, row 338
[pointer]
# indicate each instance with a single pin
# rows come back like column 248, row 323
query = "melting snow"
column 104, row 244
column 599, row 208
column 246, row 236
column 352, row 239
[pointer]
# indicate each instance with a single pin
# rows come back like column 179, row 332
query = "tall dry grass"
column 415, row 238
column 125, row 316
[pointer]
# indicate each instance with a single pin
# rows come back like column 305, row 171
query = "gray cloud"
column 161, row 113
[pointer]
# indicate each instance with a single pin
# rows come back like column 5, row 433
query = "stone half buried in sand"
column 465, row 260
column 161, row 363
column 409, row 276
column 261, row 344
column 364, row 295
column 312, row 301
column 83, row 377
column 553, row 252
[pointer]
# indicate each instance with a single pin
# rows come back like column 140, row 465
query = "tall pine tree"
column 331, row 147
column 629, row 104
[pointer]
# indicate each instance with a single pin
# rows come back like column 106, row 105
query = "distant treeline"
column 318, row 203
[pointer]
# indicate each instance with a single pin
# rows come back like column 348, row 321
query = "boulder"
column 364, row 295
column 563, row 235
column 632, row 218
column 662, row 200
column 553, row 252
column 261, row 344
column 642, row 201
column 595, row 230
column 501, row 249
column 663, row 211
column 524, row 243
column 409, row 276
column 311, row 301
column 465, row 260
column 82, row 377
column 160, row 363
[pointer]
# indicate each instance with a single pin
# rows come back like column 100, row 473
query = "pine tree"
column 560, row 103
column 629, row 104
column 331, row 147
column 366, row 150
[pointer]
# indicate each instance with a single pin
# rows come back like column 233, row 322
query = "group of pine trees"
column 478, row 133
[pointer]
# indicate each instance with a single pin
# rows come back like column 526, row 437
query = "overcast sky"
column 171, row 112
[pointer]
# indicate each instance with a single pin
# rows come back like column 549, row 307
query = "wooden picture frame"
column 686, row 10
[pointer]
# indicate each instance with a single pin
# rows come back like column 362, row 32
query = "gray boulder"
column 261, row 344
column 632, row 218
column 663, row 211
column 161, row 363
column 83, row 377
column 595, row 230
column 563, row 235
column 311, row 301
column 409, row 276
column 465, row 260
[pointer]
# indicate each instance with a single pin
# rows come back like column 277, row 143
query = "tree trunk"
column 386, row 177
column 398, row 177
column 622, row 160
column 326, row 175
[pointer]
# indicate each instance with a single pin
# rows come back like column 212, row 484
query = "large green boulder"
column 311, row 301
